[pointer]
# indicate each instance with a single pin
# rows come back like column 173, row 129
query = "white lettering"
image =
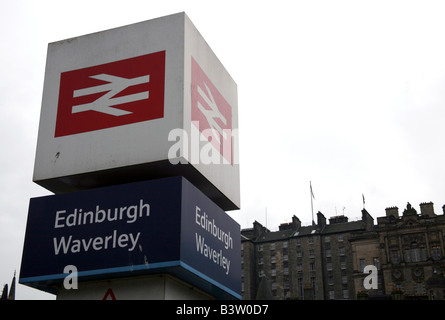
column 370, row 282
column 201, row 149
column 133, row 240
column 211, row 227
column 213, row 255
column 57, row 225
column 193, row 310
column 99, row 215
column 63, row 244
column 178, row 152
column 70, row 245
column 70, row 281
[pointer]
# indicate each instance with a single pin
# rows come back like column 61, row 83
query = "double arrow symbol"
column 212, row 113
column 114, row 86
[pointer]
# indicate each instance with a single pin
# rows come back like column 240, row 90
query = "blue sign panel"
column 211, row 240
column 158, row 226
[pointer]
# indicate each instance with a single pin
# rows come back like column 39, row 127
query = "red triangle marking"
column 109, row 293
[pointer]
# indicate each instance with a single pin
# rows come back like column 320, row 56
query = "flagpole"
column 363, row 197
column 312, row 203
column 266, row 217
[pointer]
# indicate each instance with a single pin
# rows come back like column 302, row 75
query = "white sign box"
column 143, row 101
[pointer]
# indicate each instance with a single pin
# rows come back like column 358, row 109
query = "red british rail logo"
column 211, row 113
column 112, row 94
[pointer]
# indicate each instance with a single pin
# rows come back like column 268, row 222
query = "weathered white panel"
column 94, row 129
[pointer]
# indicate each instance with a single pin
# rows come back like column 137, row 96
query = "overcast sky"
column 347, row 94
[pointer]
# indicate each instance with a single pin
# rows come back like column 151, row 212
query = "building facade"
column 407, row 251
column 301, row 262
column 326, row 260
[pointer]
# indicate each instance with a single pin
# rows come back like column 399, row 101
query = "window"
column 273, row 272
column 415, row 255
column 313, row 286
column 420, row 289
column 376, row 261
column 272, row 246
column 300, row 287
column 299, row 267
column 273, row 259
column 284, row 244
column 286, row 285
column 407, row 255
column 340, row 237
column 312, row 266
column 311, row 240
column 332, row 295
column 423, row 254
column 436, row 252
column 299, row 254
column 342, row 251
column 342, row 265
column 298, row 242
column 311, row 253
column 395, row 256
column 329, row 266
column 274, row 286
column 328, row 253
column 345, row 294
column 362, row 265
column 260, row 247
column 344, row 279
column 327, row 239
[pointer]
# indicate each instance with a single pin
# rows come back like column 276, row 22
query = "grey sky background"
column 347, row 94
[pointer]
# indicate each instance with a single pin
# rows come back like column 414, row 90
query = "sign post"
column 138, row 139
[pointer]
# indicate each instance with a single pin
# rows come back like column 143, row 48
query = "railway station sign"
column 160, row 226
column 139, row 102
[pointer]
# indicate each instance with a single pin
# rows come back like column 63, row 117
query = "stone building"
column 326, row 260
column 302, row 262
column 408, row 252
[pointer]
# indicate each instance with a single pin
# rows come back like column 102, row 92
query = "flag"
column 312, row 193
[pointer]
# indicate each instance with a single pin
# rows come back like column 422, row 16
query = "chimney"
column 321, row 219
column 259, row 229
column 427, row 209
column 392, row 212
column 294, row 225
column 338, row 219
column 296, row 222
column 368, row 220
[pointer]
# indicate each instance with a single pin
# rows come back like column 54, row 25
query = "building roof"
column 271, row 236
column 344, row 227
column 275, row 236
